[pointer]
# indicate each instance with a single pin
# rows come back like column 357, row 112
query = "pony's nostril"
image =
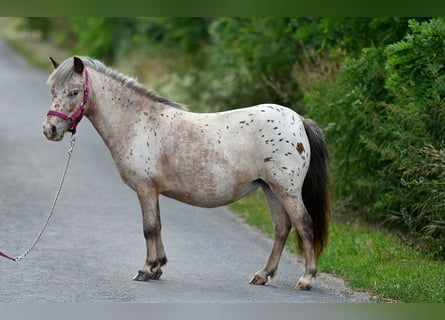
column 53, row 129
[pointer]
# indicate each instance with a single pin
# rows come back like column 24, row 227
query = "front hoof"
column 257, row 280
column 156, row 275
column 142, row 276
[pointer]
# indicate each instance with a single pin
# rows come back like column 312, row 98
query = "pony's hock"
column 206, row 160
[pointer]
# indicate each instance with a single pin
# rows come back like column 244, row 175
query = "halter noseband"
column 75, row 118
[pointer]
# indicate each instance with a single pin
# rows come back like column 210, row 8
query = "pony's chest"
column 137, row 158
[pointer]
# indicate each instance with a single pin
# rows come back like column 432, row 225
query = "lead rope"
column 51, row 210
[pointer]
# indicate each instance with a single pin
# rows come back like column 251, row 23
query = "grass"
column 368, row 259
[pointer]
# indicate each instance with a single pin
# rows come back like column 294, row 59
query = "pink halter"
column 75, row 118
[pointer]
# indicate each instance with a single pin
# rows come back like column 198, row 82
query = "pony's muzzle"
column 51, row 131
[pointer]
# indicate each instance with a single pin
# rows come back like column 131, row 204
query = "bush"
column 416, row 78
column 384, row 120
column 256, row 57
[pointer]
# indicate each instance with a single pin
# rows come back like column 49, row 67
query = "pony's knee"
column 151, row 230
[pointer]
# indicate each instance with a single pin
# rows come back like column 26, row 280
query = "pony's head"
column 69, row 91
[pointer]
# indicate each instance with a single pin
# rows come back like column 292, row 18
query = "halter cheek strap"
column 77, row 115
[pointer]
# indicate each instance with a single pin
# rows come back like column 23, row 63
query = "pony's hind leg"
column 303, row 223
column 156, row 257
column 282, row 227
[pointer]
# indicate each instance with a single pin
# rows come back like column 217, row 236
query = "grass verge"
column 368, row 259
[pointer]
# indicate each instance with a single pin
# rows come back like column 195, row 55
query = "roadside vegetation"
column 376, row 86
column 367, row 257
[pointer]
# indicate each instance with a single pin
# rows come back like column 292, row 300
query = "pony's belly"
column 212, row 196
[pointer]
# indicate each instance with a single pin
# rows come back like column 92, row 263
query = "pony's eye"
column 73, row 93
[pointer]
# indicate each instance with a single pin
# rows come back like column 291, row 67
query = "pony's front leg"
column 156, row 258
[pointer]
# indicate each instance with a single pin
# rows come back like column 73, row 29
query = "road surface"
column 94, row 243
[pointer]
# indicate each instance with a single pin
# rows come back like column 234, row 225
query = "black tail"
column 315, row 187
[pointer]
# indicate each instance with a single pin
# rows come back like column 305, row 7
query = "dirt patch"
column 337, row 286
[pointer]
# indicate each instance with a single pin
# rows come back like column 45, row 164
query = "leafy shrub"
column 416, row 77
column 186, row 36
column 258, row 57
column 384, row 119
column 41, row 24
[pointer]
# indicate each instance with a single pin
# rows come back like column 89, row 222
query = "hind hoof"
column 301, row 285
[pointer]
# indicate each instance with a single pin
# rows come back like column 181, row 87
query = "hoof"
column 257, row 280
column 303, row 286
column 142, row 276
column 156, row 275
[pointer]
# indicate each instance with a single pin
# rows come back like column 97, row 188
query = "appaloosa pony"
column 206, row 160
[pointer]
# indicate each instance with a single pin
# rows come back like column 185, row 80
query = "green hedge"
column 384, row 119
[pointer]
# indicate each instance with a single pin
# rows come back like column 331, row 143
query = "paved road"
column 94, row 243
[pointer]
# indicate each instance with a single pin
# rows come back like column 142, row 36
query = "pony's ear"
column 78, row 65
column 55, row 63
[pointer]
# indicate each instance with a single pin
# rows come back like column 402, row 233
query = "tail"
column 315, row 187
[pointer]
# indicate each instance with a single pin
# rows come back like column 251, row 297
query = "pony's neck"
column 115, row 108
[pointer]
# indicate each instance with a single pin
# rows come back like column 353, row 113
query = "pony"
column 203, row 159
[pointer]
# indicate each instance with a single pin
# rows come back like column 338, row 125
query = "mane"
column 66, row 70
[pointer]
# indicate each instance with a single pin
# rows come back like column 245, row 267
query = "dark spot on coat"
column 267, row 159
column 300, row 148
